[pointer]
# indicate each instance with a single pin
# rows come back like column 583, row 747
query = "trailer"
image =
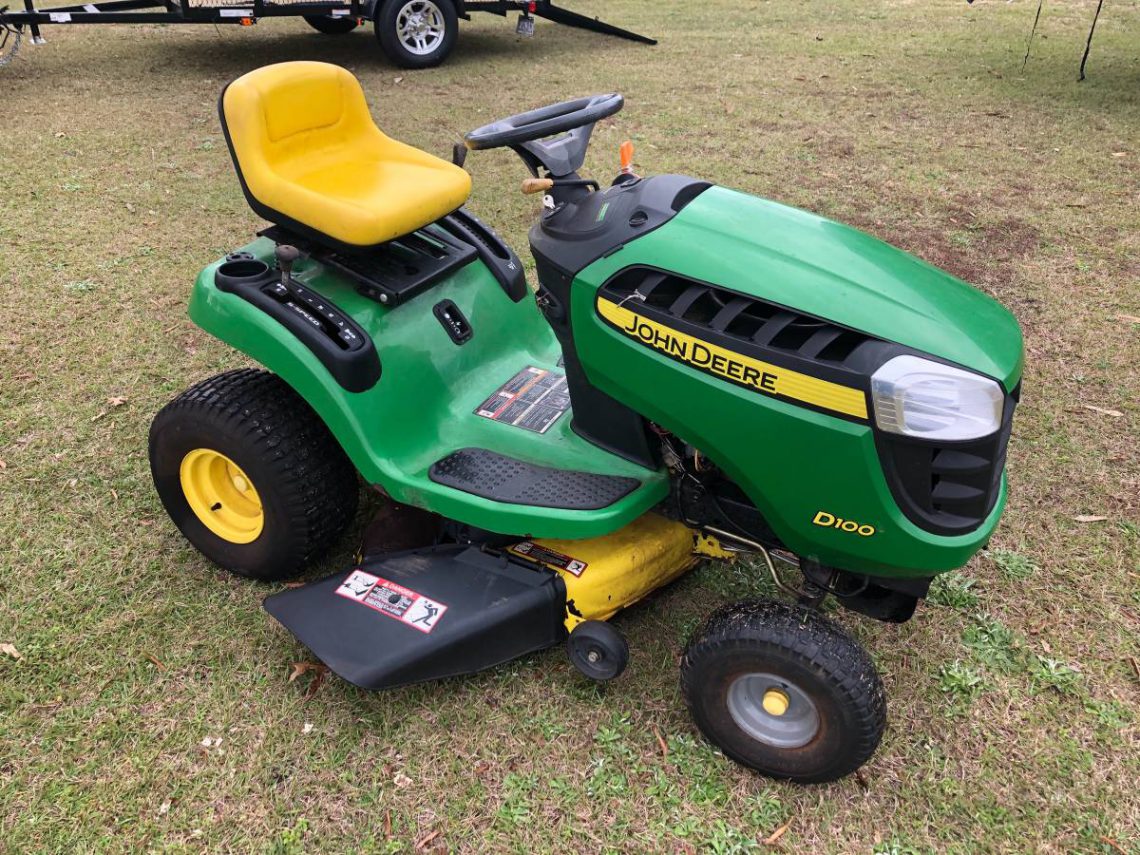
column 411, row 33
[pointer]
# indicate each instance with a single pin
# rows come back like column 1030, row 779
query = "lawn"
column 145, row 701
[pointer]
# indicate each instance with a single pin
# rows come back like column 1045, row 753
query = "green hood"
column 819, row 267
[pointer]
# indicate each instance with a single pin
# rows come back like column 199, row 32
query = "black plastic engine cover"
column 424, row 615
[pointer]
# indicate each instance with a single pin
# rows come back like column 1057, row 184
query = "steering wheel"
column 526, row 132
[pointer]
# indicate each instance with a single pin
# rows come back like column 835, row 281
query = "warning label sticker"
column 543, row 555
column 393, row 600
column 533, row 400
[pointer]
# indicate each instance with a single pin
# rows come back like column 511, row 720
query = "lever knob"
column 536, row 185
column 286, row 256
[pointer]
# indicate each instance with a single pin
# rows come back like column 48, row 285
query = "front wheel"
column 417, row 33
column 784, row 691
column 250, row 475
column 331, row 25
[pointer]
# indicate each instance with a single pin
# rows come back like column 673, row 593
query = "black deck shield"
column 424, row 615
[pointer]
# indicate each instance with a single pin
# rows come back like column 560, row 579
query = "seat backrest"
column 291, row 109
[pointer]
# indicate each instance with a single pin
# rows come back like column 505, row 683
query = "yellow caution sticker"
column 736, row 367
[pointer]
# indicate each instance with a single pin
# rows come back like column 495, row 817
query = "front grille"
column 736, row 316
column 951, row 488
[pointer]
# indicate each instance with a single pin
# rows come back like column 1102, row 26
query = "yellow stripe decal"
column 744, row 370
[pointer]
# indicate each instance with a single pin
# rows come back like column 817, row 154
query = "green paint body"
column 791, row 461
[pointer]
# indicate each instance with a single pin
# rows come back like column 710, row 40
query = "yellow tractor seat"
column 311, row 159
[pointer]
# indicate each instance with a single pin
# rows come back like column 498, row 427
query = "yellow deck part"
column 604, row 575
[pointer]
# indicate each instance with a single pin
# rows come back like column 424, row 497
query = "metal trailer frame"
column 247, row 12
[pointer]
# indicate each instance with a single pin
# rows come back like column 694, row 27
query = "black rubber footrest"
column 504, row 479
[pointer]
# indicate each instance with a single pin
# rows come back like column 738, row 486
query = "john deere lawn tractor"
column 700, row 374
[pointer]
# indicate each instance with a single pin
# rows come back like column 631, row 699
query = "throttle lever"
column 536, row 185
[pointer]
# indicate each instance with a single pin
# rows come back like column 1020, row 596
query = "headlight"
column 920, row 398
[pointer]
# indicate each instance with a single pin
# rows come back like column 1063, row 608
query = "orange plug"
column 627, row 158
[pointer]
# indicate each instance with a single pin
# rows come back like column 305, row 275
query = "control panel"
column 341, row 345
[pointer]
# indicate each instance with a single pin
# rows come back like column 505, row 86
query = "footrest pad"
column 504, row 479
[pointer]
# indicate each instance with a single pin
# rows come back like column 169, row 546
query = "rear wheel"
column 250, row 474
column 784, row 691
column 332, row 25
column 417, row 33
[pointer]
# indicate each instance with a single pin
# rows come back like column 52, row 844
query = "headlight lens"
column 920, row 398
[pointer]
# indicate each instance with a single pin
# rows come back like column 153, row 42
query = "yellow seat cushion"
column 306, row 149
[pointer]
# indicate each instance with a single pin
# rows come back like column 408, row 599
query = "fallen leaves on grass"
column 319, row 671
column 1087, row 518
column 401, row 781
column 1135, row 666
column 772, row 838
column 300, row 668
column 155, row 662
column 1104, row 412
column 1132, row 319
column 112, row 403
column 661, row 742
column 211, row 741
column 307, row 728
column 10, row 650
column 3, row 465
column 424, row 841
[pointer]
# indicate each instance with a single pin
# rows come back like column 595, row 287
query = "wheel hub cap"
column 420, row 26
column 773, row 710
column 775, row 702
column 221, row 496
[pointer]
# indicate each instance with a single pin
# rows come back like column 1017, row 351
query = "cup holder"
column 243, row 269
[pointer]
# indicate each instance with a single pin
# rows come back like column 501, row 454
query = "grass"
column 151, row 708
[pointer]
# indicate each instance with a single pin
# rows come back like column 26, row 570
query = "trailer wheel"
column 332, row 25
column 417, row 33
column 250, row 474
column 783, row 690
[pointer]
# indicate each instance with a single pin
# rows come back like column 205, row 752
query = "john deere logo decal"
column 736, row 367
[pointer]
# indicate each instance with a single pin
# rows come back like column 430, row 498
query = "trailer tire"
column 417, row 33
column 330, row 25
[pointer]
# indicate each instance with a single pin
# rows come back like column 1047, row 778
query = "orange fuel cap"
column 627, row 157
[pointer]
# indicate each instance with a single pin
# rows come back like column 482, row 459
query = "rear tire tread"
column 312, row 473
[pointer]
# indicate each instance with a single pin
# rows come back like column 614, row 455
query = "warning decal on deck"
column 533, row 400
column 393, row 600
column 543, row 555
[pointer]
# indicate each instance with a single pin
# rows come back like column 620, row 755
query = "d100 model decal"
column 823, row 518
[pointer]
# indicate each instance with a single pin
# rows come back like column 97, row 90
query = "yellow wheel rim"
column 221, row 495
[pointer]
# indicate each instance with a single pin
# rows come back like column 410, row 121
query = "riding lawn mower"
column 700, row 374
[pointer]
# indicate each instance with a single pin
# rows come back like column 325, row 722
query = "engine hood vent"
column 734, row 318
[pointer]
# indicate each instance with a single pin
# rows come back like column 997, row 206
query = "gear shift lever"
column 286, row 256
